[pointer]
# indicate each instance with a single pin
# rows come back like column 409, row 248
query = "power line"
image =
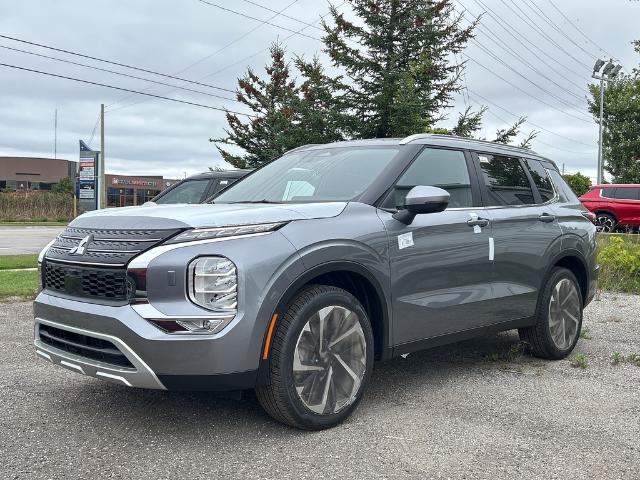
column 509, row 67
column 485, row 99
column 117, row 73
column 541, row 13
column 580, row 31
column 283, row 15
column 93, row 132
column 497, row 40
column 257, row 19
column 238, row 62
column 532, row 24
column 221, row 49
column 69, row 52
column 525, row 92
column 125, row 90
column 520, row 38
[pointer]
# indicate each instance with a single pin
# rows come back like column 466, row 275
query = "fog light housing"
column 213, row 284
column 192, row 325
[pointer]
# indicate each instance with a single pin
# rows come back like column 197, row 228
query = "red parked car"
column 614, row 205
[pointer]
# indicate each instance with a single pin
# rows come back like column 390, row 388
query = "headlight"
column 220, row 232
column 213, row 284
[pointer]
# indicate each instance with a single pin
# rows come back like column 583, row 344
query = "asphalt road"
column 17, row 240
column 445, row 413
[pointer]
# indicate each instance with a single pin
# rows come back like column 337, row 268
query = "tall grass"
column 619, row 259
column 22, row 206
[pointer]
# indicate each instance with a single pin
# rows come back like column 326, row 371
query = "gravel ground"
column 462, row 411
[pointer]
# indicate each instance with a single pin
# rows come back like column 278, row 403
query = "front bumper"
column 154, row 359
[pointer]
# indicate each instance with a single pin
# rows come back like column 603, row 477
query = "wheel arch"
column 574, row 261
column 357, row 280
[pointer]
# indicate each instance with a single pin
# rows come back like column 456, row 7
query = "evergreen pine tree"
column 400, row 73
column 274, row 128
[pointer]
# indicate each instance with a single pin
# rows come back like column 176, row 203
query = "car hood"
column 203, row 215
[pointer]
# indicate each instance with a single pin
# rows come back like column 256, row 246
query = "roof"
column 435, row 140
column 219, row 173
column 617, row 185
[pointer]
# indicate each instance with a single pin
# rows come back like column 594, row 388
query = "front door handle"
column 546, row 218
column 478, row 222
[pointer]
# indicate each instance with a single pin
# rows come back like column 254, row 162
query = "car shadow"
column 184, row 414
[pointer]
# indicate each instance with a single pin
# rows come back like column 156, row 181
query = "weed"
column 616, row 358
column 512, row 354
column 634, row 358
column 579, row 360
column 585, row 334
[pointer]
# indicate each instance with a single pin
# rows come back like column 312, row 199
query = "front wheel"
column 321, row 359
column 558, row 317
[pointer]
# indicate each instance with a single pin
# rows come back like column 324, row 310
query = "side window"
column 446, row 169
column 506, row 181
column 564, row 191
column 627, row 193
column 541, row 179
column 609, row 192
column 190, row 191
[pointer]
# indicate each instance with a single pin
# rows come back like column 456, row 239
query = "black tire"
column 279, row 397
column 607, row 222
column 538, row 337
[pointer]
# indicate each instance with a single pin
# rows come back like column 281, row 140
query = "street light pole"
column 609, row 72
column 600, row 172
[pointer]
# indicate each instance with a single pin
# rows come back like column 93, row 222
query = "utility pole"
column 103, row 186
column 55, row 134
column 608, row 73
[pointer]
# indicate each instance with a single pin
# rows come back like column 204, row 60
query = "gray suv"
column 296, row 279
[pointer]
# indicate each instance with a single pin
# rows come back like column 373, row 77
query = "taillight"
column 591, row 217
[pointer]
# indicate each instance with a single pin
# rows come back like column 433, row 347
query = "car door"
column 519, row 197
column 627, row 205
column 440, row 266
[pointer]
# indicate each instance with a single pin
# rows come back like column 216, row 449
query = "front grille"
column 108, row 284
column 82, row 345
column 104, row 247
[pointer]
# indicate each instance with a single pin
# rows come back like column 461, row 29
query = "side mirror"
column 421, row 200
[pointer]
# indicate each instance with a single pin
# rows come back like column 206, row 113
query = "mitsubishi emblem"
column 82, row 246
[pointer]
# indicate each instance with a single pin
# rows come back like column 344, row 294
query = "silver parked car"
column 294, row 280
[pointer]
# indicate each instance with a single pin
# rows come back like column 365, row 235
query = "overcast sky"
column 153, row 136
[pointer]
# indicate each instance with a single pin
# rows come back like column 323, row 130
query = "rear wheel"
column 321, row 359
column 607, row 222
column 558, row 317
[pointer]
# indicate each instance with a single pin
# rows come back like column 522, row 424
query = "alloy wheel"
column 564, row 313
column 330, row 360
column 606, row 223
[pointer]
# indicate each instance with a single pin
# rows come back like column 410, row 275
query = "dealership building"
column 28, row 173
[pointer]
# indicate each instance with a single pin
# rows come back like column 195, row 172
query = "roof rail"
column 420, row 136
column 301, row 147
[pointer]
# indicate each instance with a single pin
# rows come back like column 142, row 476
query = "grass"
column 18, row 284
column 8, row 262
column 579, row 360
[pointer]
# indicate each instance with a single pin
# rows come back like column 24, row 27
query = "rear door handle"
column 479, row 222
column 546, row 218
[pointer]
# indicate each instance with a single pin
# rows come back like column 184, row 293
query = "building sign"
column 134, row 182
column 87, row 186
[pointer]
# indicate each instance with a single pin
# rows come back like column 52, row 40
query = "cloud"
column 151, row 136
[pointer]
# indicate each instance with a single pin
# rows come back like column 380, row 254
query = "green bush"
column 619, row 259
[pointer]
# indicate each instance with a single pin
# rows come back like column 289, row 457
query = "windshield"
column 324, row 175
column 189, row 191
